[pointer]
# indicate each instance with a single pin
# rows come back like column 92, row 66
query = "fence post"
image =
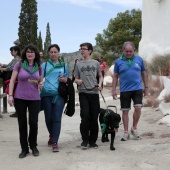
column 4, row 100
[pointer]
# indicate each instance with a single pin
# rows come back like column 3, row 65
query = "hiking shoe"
column 135, row 134
column 93, row 145
column 14, row 115
column 55, row 147
column 23, row 153
column 84, row 145
column 50, row 141
column 35, row 151
column 125, row 137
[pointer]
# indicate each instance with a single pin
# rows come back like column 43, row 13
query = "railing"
column 3, row 97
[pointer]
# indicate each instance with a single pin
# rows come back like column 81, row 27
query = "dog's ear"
column 117, row 117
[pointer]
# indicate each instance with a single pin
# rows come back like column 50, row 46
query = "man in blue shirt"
column 131, row 72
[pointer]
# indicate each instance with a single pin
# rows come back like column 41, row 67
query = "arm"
column 11, row 87
column 78, row 81
column 3, row 69
column 114, row 84
column 145, row 82
column 100, row 81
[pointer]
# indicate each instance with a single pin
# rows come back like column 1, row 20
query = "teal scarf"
column 129, row 60
column 60, row 64
column 25, row 66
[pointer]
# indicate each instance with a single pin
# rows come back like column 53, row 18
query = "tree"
column 125, row 27
column 27, row 31
column 39, row 42
column 47, row 42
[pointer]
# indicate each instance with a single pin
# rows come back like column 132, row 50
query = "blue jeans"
column 53, row 114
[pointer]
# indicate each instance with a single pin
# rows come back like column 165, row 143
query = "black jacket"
column 70, row 108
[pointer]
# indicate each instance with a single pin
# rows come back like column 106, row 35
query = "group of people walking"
column 38, row 81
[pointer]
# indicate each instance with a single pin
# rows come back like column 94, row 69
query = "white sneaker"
column 125, row 137
column 135, row 134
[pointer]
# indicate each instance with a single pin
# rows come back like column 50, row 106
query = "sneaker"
column 35, row 151
column 14, row 115
column 125, row 137
column 84, row 145
column 93, row 145
column 55, row 147
column 23, row 153
column 135, row 134
column 50, row 141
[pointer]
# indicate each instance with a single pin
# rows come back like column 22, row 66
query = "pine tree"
column 39, row 42
column 47, row 42
column 27, row 31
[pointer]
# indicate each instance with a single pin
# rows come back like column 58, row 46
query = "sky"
column 72, row 22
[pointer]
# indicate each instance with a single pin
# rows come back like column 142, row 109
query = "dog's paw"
column 112, row 148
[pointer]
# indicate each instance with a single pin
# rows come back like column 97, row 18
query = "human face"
column 128, row 51
column 41, row 54
column 84, row 51
column 30, row 55
column 14, row 53
column 54, row 54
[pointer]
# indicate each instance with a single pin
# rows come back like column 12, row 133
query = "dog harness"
column 104, row 125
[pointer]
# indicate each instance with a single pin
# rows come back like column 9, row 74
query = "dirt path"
column 151, row 152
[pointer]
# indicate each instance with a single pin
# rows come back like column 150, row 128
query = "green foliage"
column 160, row 65
column 125, row 27
column 27, row 31
column 47, row 42
column 39, row 42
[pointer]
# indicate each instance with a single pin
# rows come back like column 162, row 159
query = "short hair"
column 128, row 42
column 88, row 45
column 54, row 45
column 15, row 48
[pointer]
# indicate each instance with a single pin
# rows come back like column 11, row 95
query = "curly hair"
column 31, row 47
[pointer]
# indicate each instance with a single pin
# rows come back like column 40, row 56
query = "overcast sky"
column 71, row 21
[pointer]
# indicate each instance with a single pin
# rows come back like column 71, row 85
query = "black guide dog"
column 109, row 122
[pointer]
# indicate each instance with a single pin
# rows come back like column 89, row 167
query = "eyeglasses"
column 83, row 49
column 30, row 52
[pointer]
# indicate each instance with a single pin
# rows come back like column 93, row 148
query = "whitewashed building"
column 155, row 28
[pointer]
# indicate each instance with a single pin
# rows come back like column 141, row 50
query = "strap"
column 45, row 68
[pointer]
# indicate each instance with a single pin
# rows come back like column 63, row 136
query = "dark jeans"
column 89, row 105
column 33, row 110
column 53, row 114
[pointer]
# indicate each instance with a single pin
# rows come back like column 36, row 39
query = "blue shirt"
column 50, row 87
column 130, row 77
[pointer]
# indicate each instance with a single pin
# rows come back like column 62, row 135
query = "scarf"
column 25, row 66
column 129, row 60
column 60, row 64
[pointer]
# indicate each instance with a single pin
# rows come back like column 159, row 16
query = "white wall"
column 155, row 29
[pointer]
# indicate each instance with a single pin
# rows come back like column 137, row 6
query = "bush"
column 160, row 65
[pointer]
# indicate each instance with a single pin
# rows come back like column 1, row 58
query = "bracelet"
column 11, row 95
column 146, row 87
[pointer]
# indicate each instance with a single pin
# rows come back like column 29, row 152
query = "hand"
column 63, row 79
column 145, row 92
column 40, row 85
column 79, row 82
column 114, row 94
column 99, row 87
column 11, row 100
